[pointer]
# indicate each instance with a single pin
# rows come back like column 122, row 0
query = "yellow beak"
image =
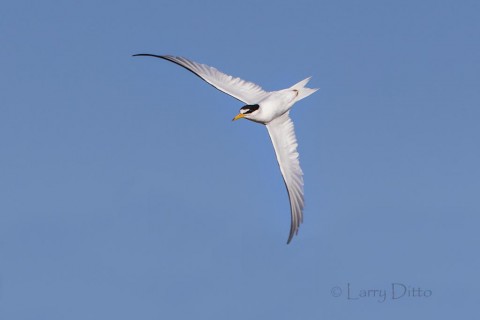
column 238, row 116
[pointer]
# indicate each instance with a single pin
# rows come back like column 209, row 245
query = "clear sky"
column 126, row 192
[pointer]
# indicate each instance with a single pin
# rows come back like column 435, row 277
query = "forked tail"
column 303, row 91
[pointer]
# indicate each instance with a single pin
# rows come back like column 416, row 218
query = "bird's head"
column 247, row 111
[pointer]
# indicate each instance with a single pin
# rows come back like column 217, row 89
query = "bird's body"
column 268, row 108
column 274, row 105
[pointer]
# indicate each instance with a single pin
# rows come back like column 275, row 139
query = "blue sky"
column 126, row 192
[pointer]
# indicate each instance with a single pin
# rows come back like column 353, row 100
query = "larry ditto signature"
column 394, row 291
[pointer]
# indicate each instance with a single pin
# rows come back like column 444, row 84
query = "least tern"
column 270, row 109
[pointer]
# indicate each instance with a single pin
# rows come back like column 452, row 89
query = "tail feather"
column 303, row 91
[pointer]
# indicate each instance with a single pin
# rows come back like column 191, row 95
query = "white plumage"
column 268, row 108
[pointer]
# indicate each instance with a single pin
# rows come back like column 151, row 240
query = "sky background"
column 126, row 192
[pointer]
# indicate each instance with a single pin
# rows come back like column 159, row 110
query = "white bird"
column 268, row 108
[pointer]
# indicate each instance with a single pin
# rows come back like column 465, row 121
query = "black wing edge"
column 169, row 58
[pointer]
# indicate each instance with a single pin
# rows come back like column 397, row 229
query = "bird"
column 270, row 109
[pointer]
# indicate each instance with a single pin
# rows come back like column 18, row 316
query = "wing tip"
column 147, row 55
column 295, row 226
column 293, row 232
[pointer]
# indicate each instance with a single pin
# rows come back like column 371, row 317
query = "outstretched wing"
column 247, row 92
column 285, row 144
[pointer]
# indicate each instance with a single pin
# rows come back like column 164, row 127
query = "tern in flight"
column 270, row 109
